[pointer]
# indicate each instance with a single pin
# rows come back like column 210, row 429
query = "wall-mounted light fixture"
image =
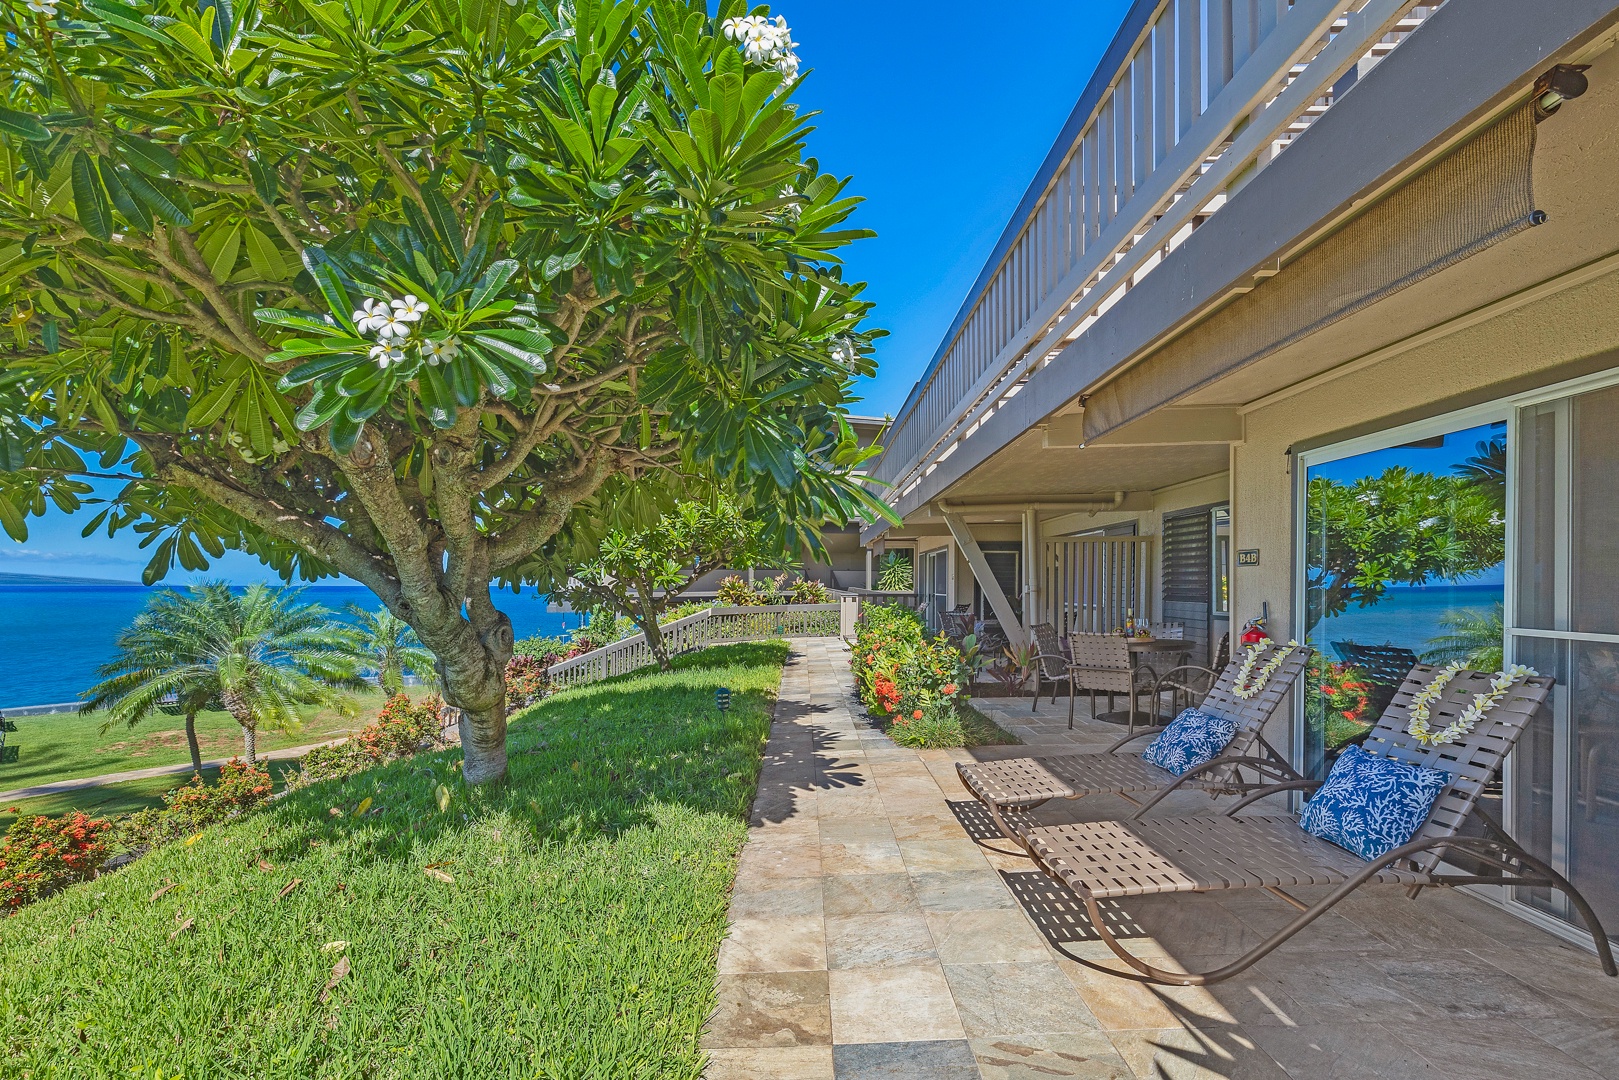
column 1565, row 82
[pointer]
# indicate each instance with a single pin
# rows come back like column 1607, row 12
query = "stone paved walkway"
column 871, row 937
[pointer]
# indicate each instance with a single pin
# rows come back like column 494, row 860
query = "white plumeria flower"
column 385, row 354
column 393, row 326
column 440, row 351
column 409, row 308
column 46, row 8
column 371, row 316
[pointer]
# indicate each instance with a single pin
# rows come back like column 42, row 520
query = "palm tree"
column 1475, row 638
column 384, row 643
column 260, row 655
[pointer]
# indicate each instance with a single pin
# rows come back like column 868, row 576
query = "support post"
column 986, row 579
column 870, row 579
column 848, row 612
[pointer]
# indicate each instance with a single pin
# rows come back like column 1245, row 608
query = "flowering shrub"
column 197, row 805
column 400, row 729
column 1335, row 699
column 900, row 670
column 40, row 855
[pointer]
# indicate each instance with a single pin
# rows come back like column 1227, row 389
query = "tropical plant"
column 547, row 650
column 809, row 591
column 262, row 654
column 1475, row 638
column 641, row 574
column 158, row 667
column 1012, row 670
column 1399, row 527
column 396, row 291
column 736, row 591
column 385, row 645
column 896, row 572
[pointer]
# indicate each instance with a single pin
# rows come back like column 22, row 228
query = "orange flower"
column 916, row 714
column 950, row 688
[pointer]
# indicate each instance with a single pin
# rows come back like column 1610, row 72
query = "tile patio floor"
column 871, row 937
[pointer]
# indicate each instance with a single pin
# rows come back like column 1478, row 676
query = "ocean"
column 53, row 637
column 1405, row 616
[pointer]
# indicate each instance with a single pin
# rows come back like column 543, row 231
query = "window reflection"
column 1404, row 559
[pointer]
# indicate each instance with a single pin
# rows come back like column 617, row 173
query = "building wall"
column 1570, row 333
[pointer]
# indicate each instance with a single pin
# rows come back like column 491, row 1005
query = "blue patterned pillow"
column 1371, row 805
column 1191, row 739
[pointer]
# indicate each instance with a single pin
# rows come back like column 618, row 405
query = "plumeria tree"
column 391, row 290
column 642, row 573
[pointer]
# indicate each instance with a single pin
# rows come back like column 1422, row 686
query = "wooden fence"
column 1090, row 585
column 714, row 626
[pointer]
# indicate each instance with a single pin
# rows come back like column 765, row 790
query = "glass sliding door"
column 1564, row 621
column 1403, row 560
column 935, row 586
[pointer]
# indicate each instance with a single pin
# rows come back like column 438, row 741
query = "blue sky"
column 941, row 114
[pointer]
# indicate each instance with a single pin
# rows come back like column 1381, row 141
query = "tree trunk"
column 654, row 639
column 191, row 741
column 250, row 740
column 472, row 669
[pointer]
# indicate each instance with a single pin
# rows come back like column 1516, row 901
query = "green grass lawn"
column 66, row 746
column 576, row 935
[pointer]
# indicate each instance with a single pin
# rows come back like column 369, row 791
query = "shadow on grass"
column 588, row 763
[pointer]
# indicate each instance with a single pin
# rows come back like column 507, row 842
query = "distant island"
column 7, row 578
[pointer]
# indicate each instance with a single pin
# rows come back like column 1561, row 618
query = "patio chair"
column 1105, row 860
column 1050, row 662
column 1101, row 662
column 1010, row 787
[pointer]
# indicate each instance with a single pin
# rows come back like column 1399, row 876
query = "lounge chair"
column 1011, row 786
column 1105, row 860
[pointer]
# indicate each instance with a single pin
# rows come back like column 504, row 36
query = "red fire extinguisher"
column 1254, row 632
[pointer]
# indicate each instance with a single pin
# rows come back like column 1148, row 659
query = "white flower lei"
column 1243, row 687
column 1500, row 685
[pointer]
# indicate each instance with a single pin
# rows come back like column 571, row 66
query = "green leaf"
column 263, row 256
column 494, row 279
column 134, row 212
column 89, row 199
column 11, row 518
column 436, row 398
column 109, row 12
column 23, row 126
column 212, row 405
column 149, row 157
column 165, row 200
column 265, row 181
column 194, row 43
column 534, row 361
column 222, row 254
column 316, row 369
column 320, row 267
column 345, row 432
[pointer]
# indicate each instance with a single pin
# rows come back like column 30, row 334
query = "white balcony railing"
column 1191, row 99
